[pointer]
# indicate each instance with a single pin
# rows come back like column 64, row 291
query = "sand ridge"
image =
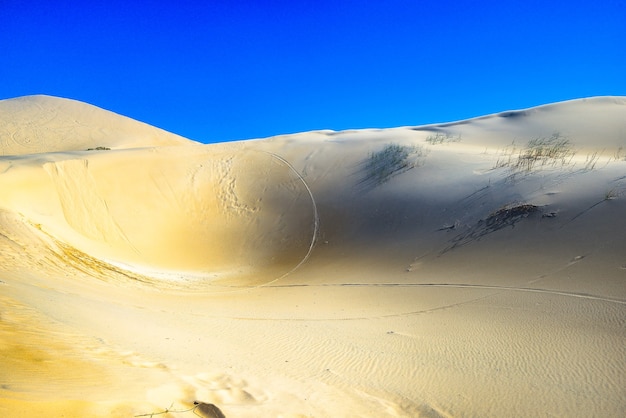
column 463, row 269
column 42, row 124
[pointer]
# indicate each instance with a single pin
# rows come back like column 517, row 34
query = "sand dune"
column 42, row 124
column 474, row 268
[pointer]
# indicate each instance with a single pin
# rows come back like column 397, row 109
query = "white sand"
column 460, row 271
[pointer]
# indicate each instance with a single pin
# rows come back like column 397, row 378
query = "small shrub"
column 554, row 150
column 392, row 160
column 611, row 194
column 441, row 138
column 99, row 149
column 509, row 215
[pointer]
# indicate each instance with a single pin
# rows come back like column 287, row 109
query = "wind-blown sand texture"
column 475, row 268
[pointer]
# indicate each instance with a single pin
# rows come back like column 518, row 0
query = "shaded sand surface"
column 475, row 268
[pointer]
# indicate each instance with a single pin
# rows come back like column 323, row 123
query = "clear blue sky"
column 219, row 70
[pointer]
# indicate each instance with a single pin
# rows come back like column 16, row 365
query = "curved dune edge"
column 464, row 269
column 198, row 210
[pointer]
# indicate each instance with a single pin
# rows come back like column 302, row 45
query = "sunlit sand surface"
column 475, row 268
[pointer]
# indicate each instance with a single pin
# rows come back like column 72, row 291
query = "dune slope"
column 42, row 124
column 474, row 268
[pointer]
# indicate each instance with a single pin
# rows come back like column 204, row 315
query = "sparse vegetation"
column 618, row 154
column 553, row 151
column 442, row 138
column 99, row 149
column 506, row 160
column 508, row 215
column 392, row 160
column 611, row 194
column 591, row 161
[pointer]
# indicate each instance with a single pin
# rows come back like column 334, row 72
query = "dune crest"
column 41, row 124
column 472, row 268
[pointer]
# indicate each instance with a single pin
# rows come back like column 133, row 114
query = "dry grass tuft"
column 441, row 138
column 389, row 162
column 553, row 151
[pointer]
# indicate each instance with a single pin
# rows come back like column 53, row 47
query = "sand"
column 475, row 268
